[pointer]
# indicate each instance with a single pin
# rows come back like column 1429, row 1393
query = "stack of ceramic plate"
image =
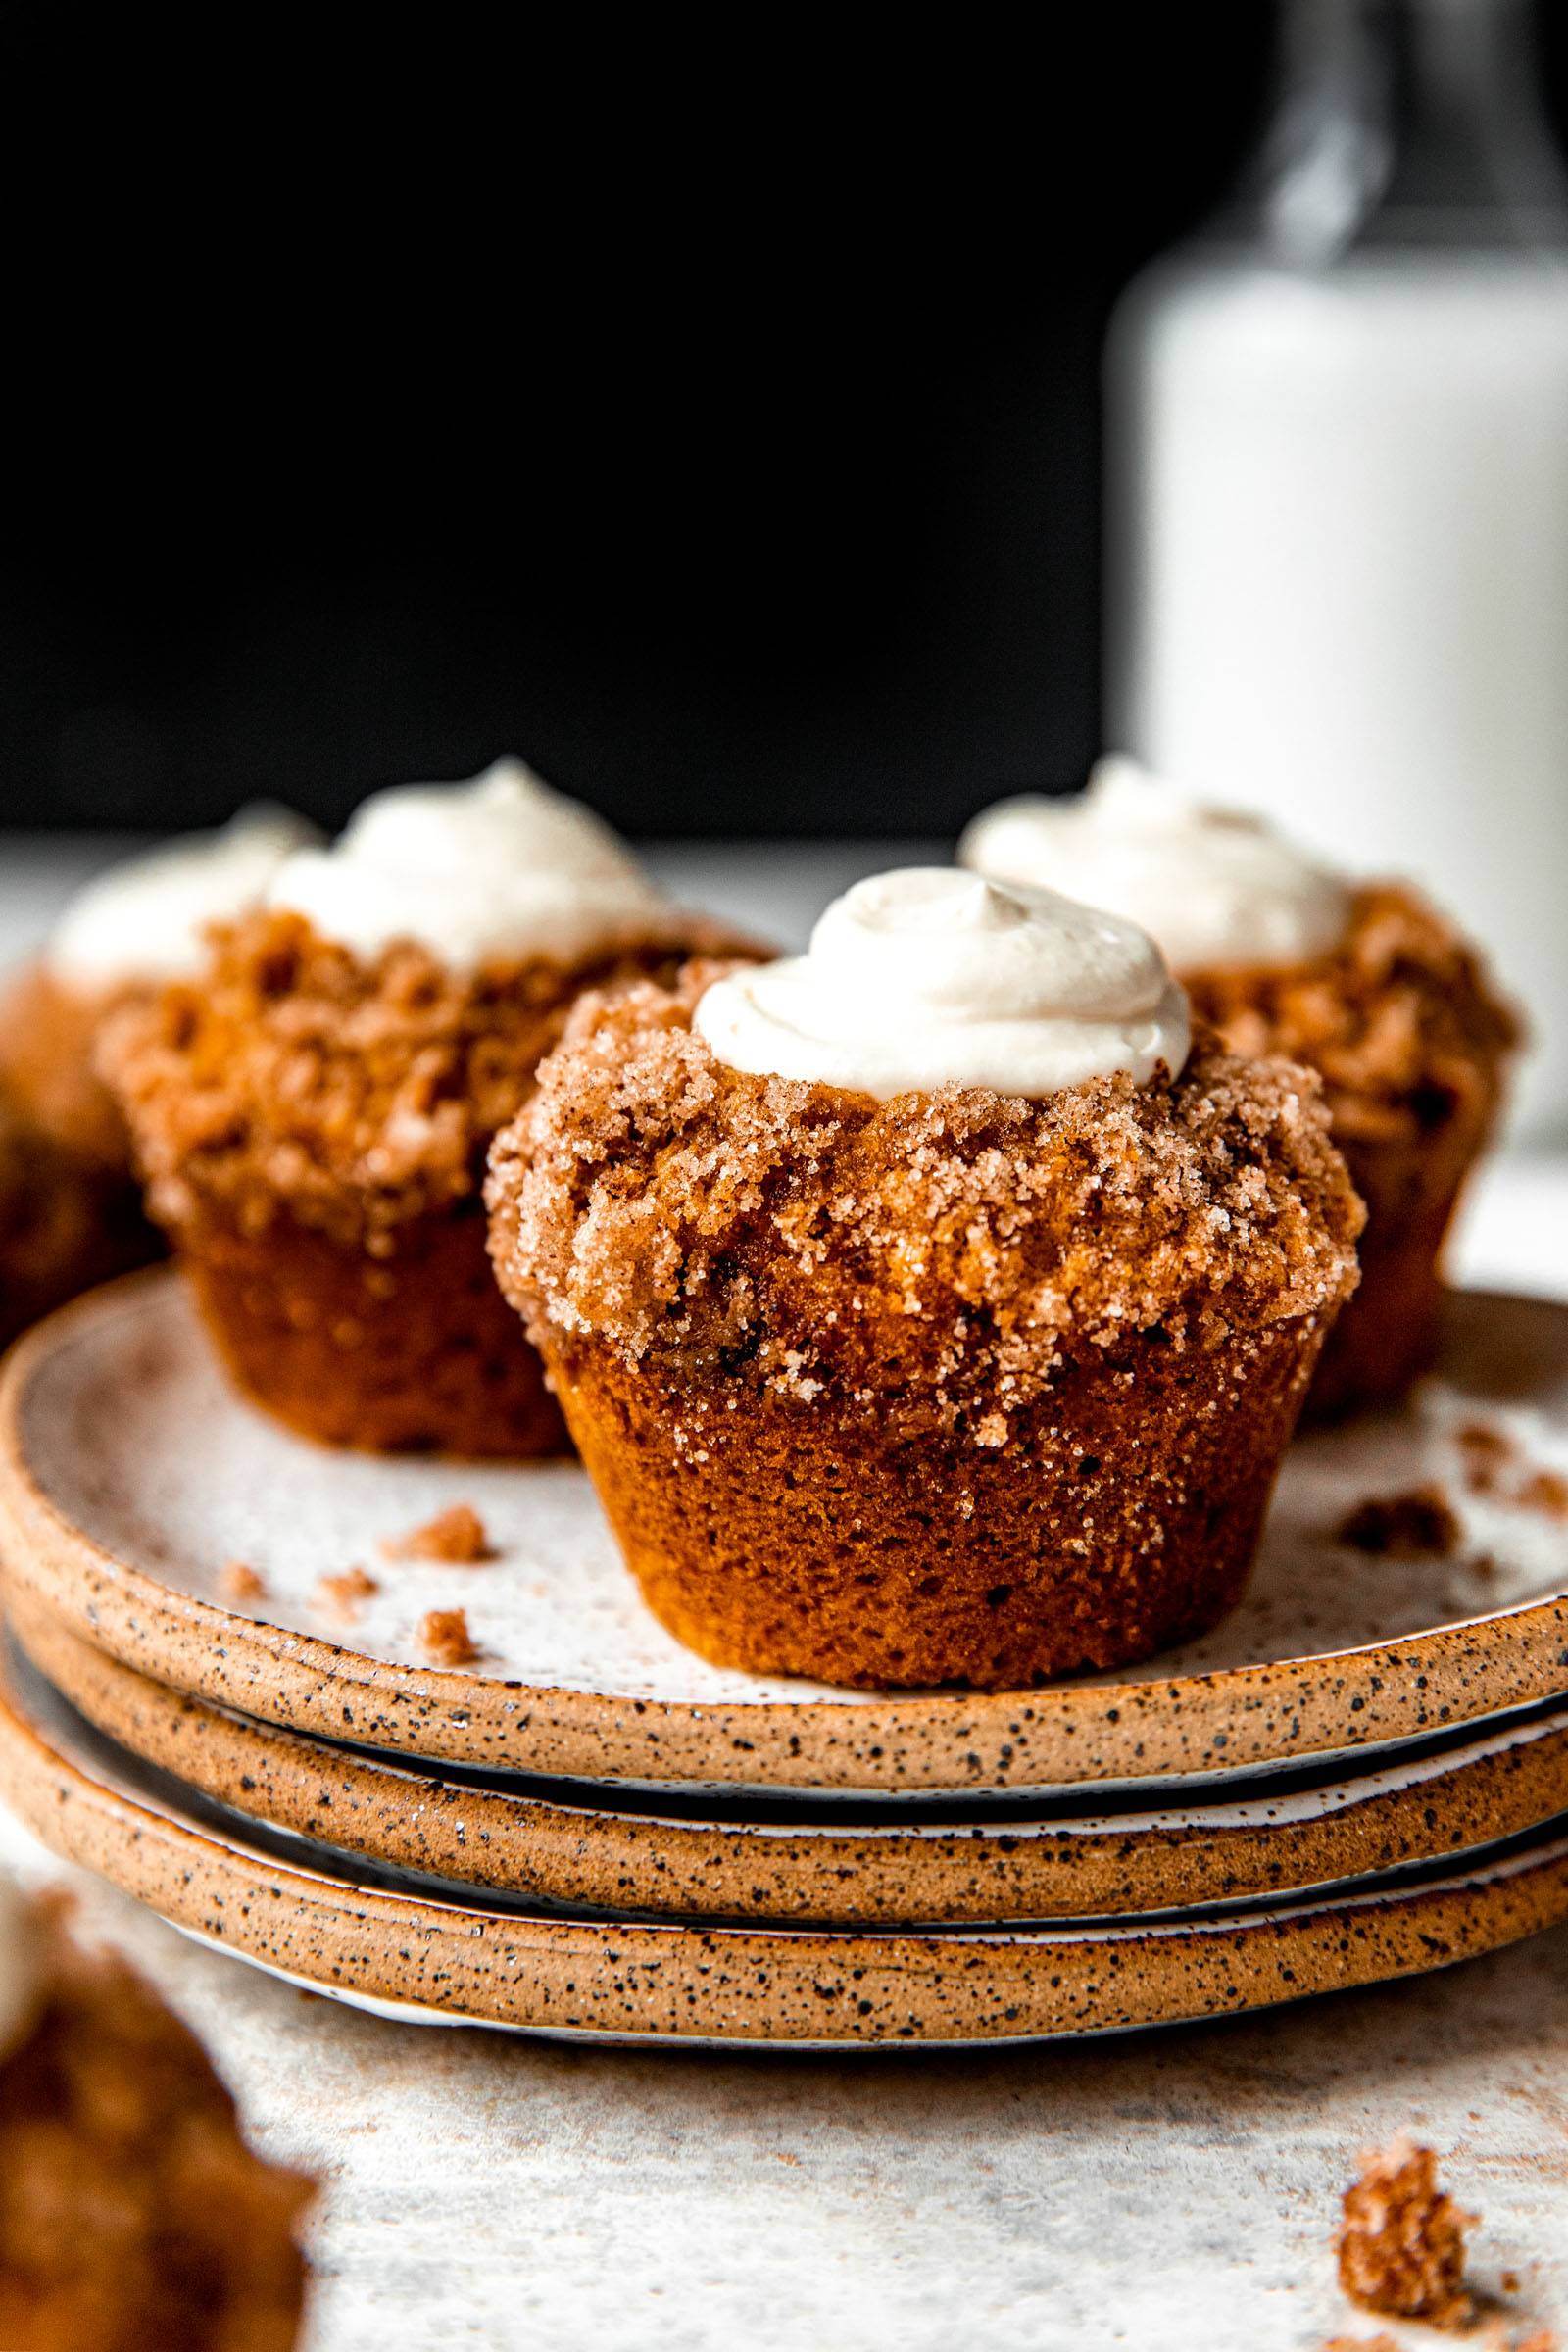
column 1361, row 1774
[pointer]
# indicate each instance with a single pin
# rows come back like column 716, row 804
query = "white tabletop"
column 1166, row 2191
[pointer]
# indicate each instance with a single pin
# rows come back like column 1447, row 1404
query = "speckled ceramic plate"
column 131, row 1477
column 414, row 1958
column 715, row 1859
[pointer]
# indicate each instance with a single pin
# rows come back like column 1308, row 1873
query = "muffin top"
column 296, row 1074
column 938, row 1255
column 501, row 870
column 146, row 919
column 1400, row 1019
column 1365, row 983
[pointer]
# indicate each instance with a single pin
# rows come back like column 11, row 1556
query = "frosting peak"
column 147, row 919
column 502, row 868
column 931, row 977
column 1214, row 885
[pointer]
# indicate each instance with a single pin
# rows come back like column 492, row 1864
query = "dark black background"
column 707, row 414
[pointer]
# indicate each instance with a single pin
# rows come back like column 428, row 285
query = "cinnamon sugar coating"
column 355, row 1096
column 1412, row 1044
column 936, row 1257
column 1400, row 1021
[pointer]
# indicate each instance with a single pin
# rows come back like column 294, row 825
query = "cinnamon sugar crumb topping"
column 445, row 1639
column 1419, row 1524
column 1401, row 1018
column 939, row 1253
column 356, row 1095
column 343, row 1594
column 1401, row 2242
column 456, row 1536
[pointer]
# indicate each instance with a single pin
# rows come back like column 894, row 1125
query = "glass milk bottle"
column 1338, row 483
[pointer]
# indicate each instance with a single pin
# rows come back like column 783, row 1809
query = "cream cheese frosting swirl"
column 931, row 977
column 501, row 868
column 21, row 1966
column 147, row 919
column 1215, row 885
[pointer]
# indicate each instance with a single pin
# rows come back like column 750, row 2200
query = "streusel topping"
column 938, row 1253
column 354, row 1093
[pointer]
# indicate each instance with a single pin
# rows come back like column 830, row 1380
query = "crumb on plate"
column 1418, row 1524
column 445, row 1639
column 343, row 1594
column 241, row 1582
column 456, row 1536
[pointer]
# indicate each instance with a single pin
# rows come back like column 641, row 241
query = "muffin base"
column 415, row 1351
column 131, row 2212
column 1120, row 1516
column 1387, row 1335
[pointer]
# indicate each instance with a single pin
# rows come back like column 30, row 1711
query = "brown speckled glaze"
column 983, row 1873
column 1138, row 1730
column 778, row 1986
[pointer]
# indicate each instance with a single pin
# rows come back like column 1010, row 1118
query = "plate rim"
column 1299, row 1949
column 947, row 1742
column 1449, row 1805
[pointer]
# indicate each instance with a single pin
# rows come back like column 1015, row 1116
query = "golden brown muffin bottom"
column 1120, row 1516
column 1387, row 1335
column 132, row 2214
column 415, row 1351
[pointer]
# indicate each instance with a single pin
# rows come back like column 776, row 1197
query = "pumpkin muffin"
column 71, row 1207
column 924, row 1310
column 131, row 2212
column 313, row 1110
column 1365, row 983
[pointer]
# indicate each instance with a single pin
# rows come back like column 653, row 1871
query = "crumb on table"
column 456, row 1536
column 445, row 1639
column 1420, row 1523
column 343, row 1594
column 241, row 1582
column 1402, row 2242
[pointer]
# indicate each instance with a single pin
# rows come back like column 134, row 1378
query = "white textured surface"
column 1174, row 2193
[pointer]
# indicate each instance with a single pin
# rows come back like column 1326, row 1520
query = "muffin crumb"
column 241, row 1582
column 1419, row 1524
column 1547, row 1491
column 456, row 1536
column 342, row 1594
column 1401, row 2242
column 1485, row 1452
column 445, row 1639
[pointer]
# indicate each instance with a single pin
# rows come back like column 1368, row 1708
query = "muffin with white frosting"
column 131, row 2212
column 313, row 1110
column 931, row 1307
column 70, row 1209
column 1365, row 983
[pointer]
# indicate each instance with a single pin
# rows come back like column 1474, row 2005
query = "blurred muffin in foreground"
column 923, row 1309
column 131, row 2212
column 1365, row 983
column 313, row 1110
column 70, row 1209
